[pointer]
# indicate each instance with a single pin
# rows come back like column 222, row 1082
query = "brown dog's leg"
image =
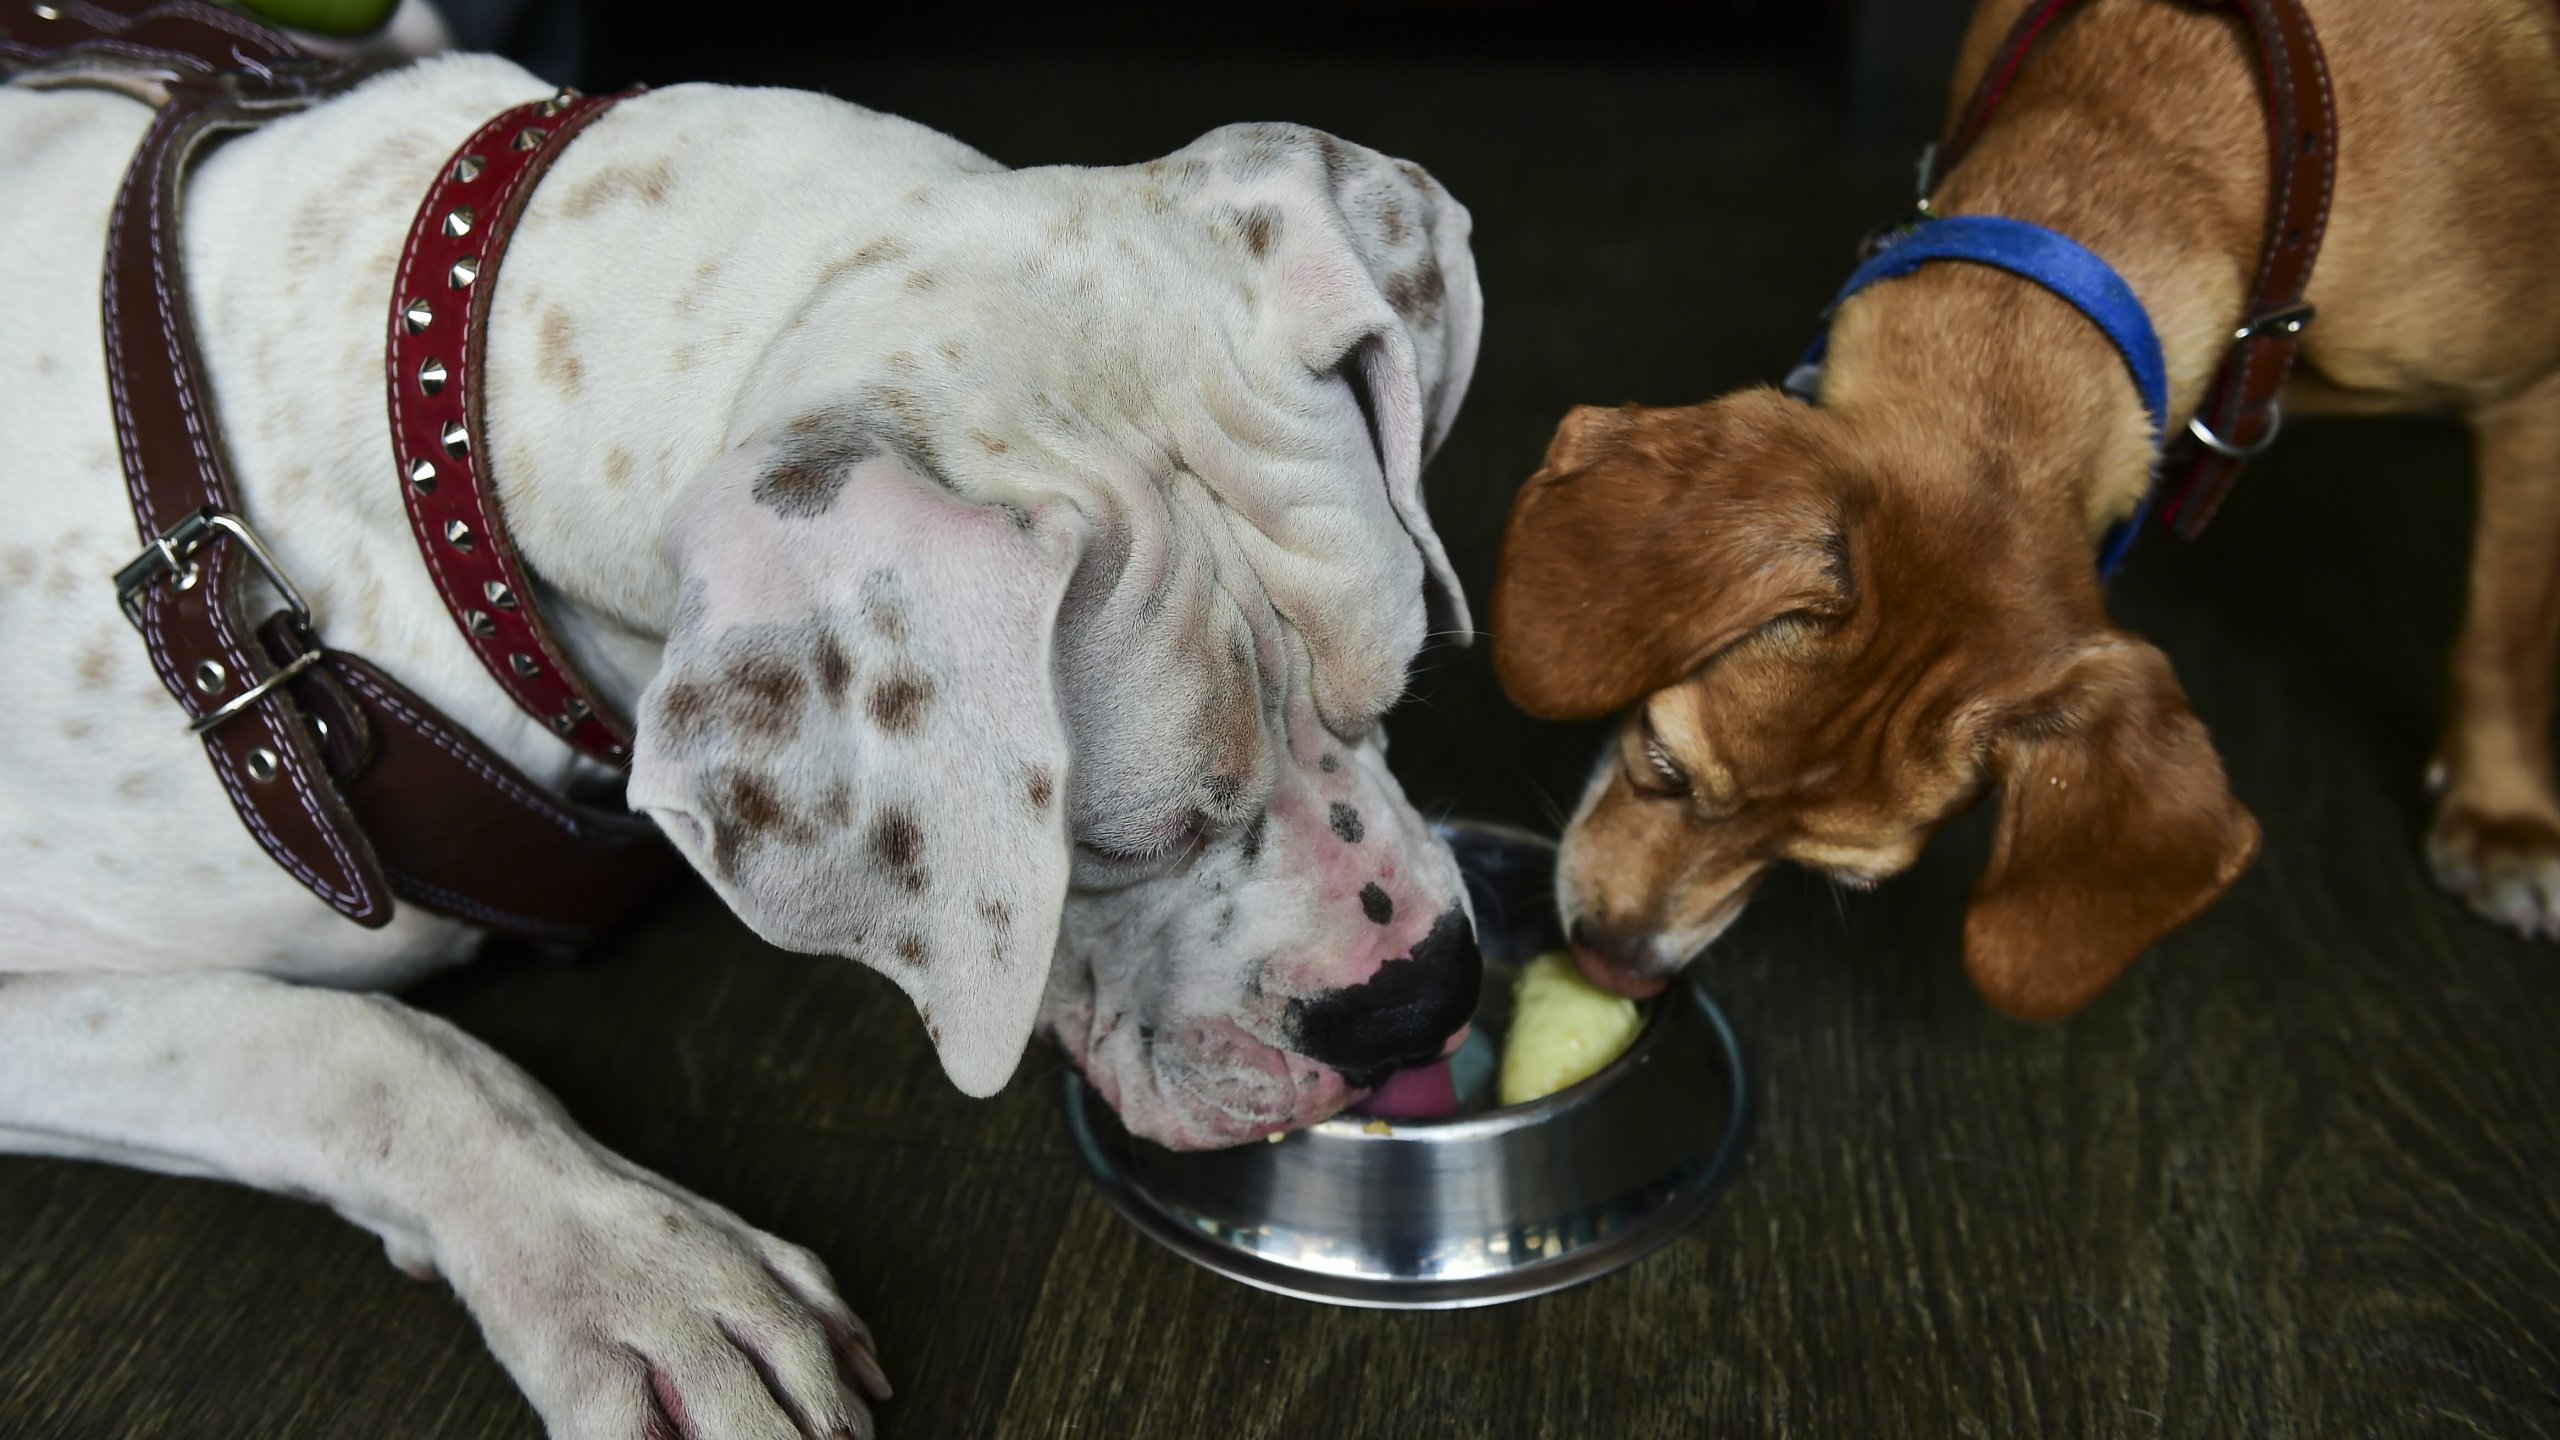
column 2495, row 840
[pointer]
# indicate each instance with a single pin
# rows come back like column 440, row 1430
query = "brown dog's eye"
column 1668, row 771
column 1657, row 774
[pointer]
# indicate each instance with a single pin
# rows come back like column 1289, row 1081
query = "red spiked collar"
column 438, row 353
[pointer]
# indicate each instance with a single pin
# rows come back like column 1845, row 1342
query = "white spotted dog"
column 1007, row 569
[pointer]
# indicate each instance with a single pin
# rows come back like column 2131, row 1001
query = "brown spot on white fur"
column 898, row 702
column 1392, row 226
column 617, row 467
column 97, row 664
column 878, row 252
column 765, row 695
column 1258, row 228
column 835, row 669
column 896, row 842
column 649, row 184
column 800, row 490
column 557, row 356
column 746, row 814
column 685, row 710
column 1039, row 787
column 1416, row 293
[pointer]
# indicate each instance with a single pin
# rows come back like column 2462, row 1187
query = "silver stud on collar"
column 465, row 270
column 468, row 168
column 499, row 595
column 531, row 136
column 418, row 316
column 430, row 375
column 422, row 475
column 568, row 95
column 458, row 221
column 524, row 665
column 457, row 439
column 457, row 535
column 210, row 676
column 262, row 764
column 480, row 624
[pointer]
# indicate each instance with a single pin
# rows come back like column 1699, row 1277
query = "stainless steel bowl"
column 1474, row 1210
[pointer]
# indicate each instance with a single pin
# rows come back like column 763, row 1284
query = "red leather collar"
column 438, row 348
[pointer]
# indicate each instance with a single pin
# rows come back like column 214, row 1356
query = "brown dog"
column 1846, row 623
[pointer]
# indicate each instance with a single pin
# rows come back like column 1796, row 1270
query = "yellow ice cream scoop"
column 1564, row 1029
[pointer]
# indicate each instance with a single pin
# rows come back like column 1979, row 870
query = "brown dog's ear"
column 2116, row 827
column 1653, row 538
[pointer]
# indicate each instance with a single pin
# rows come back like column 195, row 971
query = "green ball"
column 327, row 17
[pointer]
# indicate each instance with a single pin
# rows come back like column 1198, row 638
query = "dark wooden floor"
column 2294, row 1177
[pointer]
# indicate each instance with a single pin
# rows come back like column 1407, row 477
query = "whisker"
column 1547, row 802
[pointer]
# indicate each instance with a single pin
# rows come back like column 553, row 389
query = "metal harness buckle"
column 2219, row 446
column 173, row 554
column 2284, row 320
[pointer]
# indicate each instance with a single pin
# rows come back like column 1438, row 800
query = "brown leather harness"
column 356, row 786
column 2240, row 415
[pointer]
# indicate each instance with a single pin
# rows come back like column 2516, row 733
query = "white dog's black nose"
column 1406, row 1012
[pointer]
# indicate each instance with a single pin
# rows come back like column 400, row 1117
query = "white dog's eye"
column 1121, row 852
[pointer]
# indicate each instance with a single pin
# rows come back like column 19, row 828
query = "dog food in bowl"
column 1564, row 1030
column 1560, row 1031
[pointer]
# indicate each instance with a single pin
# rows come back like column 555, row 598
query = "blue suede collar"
column 2052, row 260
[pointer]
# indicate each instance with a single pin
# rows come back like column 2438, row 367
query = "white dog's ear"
column 1379, row 282
column 855, row 735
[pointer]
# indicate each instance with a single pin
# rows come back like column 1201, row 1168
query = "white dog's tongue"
column 1421, row 1092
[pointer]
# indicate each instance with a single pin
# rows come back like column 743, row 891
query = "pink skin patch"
column 667, row 1420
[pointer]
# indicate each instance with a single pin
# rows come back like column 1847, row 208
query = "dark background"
column 2293, row 1176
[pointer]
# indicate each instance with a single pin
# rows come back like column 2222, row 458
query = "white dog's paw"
column 632, row 1310
column 2505, row 867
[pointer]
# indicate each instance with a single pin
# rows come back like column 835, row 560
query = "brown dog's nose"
column 1613, row 962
